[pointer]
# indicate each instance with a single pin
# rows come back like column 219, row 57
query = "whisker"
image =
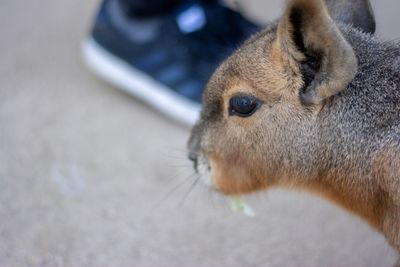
column 192, row 185
column 182, row 165
column 174, row 152
column 174, row 189
column 180, row 157
column 177, row 149
column 211, row 199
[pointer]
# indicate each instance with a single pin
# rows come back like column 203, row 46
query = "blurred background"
column 89, row 176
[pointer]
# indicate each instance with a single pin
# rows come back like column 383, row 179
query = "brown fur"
column 306, row 135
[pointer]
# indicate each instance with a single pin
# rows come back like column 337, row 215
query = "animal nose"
column 194, row 148
column 193, row 157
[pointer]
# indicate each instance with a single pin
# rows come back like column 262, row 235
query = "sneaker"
column 164, row 61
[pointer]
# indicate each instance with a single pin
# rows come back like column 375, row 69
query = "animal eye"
column 243, row 106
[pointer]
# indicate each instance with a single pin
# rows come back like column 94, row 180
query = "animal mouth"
column 203, row 168
column 236, row 203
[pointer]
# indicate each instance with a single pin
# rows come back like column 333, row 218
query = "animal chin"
column 231, row 179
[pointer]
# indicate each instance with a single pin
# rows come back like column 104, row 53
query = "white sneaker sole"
column 138, row 84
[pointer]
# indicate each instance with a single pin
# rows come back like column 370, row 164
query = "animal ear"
column 309, row 42
column 355, row 12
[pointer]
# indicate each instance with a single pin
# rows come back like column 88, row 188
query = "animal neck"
column 354, row 197
column 345, row 174
column 338, row 171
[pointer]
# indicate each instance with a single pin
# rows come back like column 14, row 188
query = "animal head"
column 258, row 126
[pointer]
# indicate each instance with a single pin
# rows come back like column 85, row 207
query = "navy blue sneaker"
column 164, row 61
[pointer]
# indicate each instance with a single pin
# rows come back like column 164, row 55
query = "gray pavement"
column 86, row 171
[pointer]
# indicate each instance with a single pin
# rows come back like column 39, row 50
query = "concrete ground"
column 91, row 177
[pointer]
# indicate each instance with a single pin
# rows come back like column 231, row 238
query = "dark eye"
column 243, row 106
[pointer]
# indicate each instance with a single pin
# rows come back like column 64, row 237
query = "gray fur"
column 357, row 13
column 365, row 116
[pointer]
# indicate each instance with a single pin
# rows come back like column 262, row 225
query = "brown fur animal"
column 308, row 103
